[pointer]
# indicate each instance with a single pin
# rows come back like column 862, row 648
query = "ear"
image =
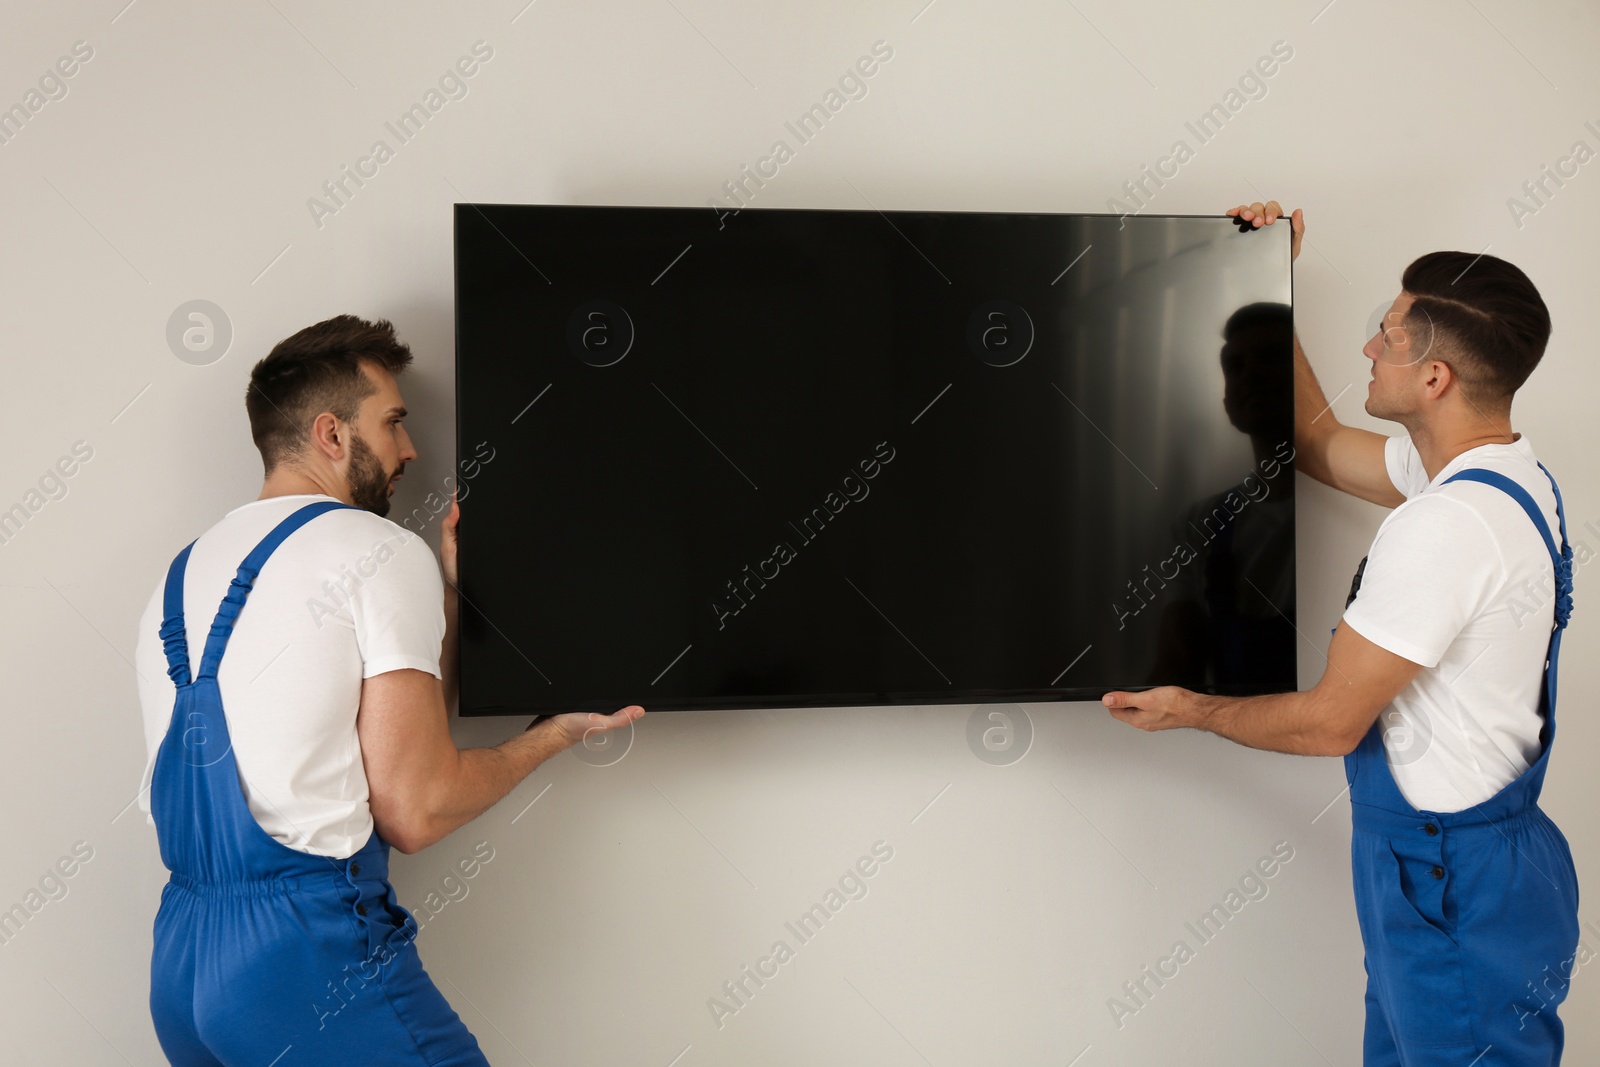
column 329, row 438
column 1440, row 377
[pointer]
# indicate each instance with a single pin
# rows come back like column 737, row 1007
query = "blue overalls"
column 265, row 955
column 1469, row 918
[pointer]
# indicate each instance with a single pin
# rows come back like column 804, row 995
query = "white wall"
column 179, row 166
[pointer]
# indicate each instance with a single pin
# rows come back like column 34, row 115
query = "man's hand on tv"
column 1259, row 214
column 574, row 726
column 449, row 544
column 1166, row 707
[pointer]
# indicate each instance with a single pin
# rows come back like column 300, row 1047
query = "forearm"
column 480, row 777
column 1313, row 417
column 1274, row 722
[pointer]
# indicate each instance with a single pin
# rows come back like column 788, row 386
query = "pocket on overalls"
column 1424, row 984
column 1428, row 911
column 389, row 930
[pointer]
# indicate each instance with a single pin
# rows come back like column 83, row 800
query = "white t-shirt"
column 347, row 596
column 1458, row 579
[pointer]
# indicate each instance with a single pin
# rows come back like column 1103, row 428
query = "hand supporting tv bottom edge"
column 1329, row 719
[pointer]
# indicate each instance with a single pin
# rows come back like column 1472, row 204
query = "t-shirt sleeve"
column 1404, row 462
column 1431, row 570
column 399, row 610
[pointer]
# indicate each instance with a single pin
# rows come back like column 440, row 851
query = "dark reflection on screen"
column 1228, row 620
column 797, row 458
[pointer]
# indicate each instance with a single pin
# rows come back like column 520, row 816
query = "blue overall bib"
column 265, row 954
column 1469, row 918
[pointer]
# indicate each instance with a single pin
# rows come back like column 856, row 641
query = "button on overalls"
column 1469, row 918
column 265, row 954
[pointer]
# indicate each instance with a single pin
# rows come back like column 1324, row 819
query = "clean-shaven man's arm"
column 1329, row 720
column 1346, row 458
column 1362, row 678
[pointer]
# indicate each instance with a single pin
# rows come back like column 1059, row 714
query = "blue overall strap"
column 1561, row 560
column 239, row 588
column 172, row 635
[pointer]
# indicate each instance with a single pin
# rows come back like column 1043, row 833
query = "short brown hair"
column 316, row 370
column 1484, row 315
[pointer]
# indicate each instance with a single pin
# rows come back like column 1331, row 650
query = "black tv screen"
column 798, row 458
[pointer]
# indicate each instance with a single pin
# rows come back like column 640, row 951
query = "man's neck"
column 1438, row 446
column 287, row 482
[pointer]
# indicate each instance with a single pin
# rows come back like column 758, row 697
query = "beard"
column 369, row 482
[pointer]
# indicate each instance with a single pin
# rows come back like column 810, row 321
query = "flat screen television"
column 800, row 458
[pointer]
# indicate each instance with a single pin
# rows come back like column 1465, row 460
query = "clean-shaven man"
column 294, row 686
column 1440, row 689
